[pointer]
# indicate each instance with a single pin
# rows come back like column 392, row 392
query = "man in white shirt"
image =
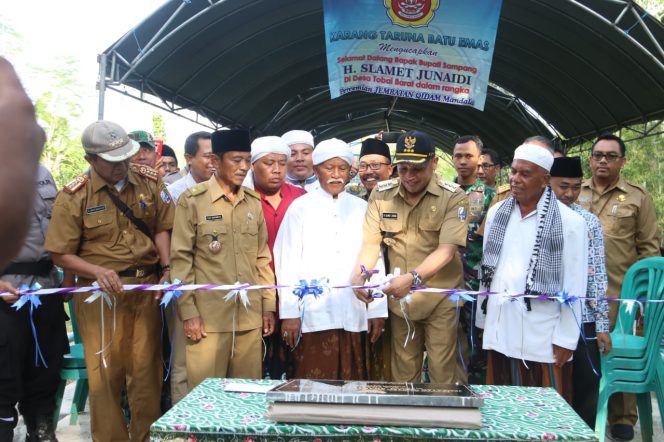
column 534, row 245
column 320, row 237
column 198, row 154
column 300, row 165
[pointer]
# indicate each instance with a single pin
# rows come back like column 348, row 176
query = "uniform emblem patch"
column 165, row 197
column 461, row 213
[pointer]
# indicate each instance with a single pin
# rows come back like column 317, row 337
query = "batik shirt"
column 479, row 198
column 594, row 308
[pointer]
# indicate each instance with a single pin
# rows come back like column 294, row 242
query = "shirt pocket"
column 431, row 224
column 207, row 233
column 249, row 239
column 622, row 220
column 47, row 196
column 98, row 227
column 144, row 209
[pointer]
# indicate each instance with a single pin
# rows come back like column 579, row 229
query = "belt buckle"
column 140, row 273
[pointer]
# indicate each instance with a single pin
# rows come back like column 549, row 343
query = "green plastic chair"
column 636, row 363
column 73, row 368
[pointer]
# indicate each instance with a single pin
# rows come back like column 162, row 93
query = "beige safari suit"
column 502, row 193
column 628, row 218
column 411, row 234
column 85, row 222
column 233, row 346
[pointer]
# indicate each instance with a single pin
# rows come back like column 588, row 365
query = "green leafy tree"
column 56, row 111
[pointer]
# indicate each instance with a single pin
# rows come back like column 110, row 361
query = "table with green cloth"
column 209, row 413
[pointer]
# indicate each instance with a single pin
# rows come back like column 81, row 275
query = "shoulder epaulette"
column 76, row 184
column 145, row 171
column 381, row 186
column 449, row 185
column 503, row 188
column 252, row 192
column 638, row 186
column 198, row 189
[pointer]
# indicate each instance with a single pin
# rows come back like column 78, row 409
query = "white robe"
column 321, row 237
column 508, row 327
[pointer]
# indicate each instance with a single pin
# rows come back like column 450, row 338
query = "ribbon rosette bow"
column 35, row 302
column 171, row 294
column 27, row 297
column 239, row 292
column 368, row 274
column 565, row 298
column 99, row 294
column 461, row 294
column 317, row 287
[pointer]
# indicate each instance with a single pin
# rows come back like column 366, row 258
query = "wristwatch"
column 417, row 279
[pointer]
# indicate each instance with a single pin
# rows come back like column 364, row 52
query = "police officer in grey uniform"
column 23, row 377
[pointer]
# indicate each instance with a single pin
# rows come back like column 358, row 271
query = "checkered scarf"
column 544, row 270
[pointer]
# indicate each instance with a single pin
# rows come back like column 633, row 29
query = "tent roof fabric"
column 583, row 66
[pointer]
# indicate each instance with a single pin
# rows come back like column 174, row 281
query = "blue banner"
column 434, row 50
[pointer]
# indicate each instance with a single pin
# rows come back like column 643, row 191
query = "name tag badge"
column 95, row 209
column 390, row 215
column 214, row 217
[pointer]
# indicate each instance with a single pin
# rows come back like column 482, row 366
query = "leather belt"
column 139, row 272
column 38, row 268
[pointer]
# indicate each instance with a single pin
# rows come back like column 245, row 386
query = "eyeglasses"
column 610, row 157
column 485, row 166
column 372, row 166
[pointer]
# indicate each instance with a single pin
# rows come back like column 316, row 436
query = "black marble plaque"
column 379, row 393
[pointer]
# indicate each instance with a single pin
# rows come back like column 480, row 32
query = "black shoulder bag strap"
column 126, row 211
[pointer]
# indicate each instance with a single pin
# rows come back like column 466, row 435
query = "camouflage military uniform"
column 479, row 198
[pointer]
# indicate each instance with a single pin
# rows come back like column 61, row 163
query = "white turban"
column 298, row 137
column 535, row 154
column 333, row 148
column 266, row 145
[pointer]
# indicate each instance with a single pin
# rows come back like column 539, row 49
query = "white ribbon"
column 239, row 293
column 105, row 297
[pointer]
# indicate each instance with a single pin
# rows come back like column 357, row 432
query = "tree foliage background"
column 58, row 109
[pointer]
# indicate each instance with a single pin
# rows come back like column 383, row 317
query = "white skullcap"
column 332, row 148
column 298, row 137
column 266, row 145
column 535, row 154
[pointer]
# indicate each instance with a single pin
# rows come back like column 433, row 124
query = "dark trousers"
column 585, row 382
column 21, row 381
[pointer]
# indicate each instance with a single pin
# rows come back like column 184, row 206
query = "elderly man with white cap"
column 300, row 164
column 320, row 238
column 534, row 245
column 269, row 156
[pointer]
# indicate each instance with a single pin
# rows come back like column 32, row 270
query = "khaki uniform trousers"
column 622, row 406
column 215, row 356
column 437, row 334
column 133, row 357
column 178, row 376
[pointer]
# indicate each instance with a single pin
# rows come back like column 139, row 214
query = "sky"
column 82, row 29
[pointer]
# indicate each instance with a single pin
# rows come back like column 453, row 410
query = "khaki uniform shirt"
column 85, row 222
column 413, row 232
column 502, row 193
column 203, row 213
column 627, row 214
